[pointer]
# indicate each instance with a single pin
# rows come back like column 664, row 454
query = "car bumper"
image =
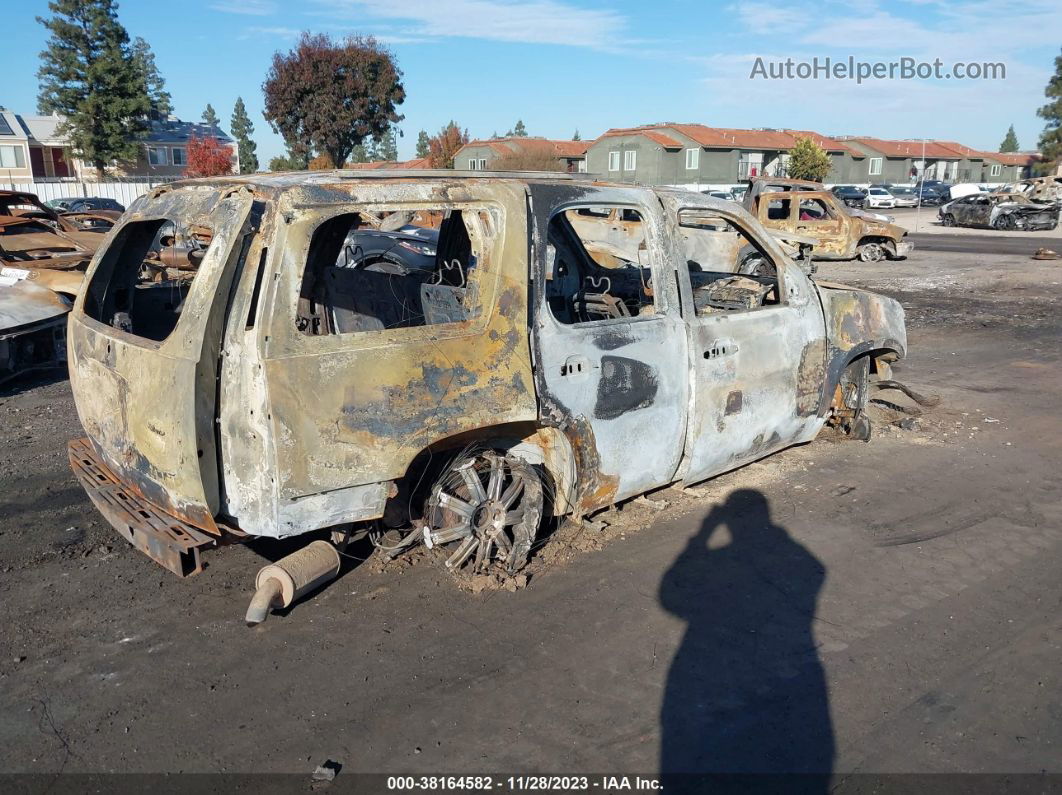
column 164, row 538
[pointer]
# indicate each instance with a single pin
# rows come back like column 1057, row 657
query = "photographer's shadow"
column 746, row 692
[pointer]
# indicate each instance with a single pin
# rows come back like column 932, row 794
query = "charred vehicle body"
column 266, row 386
column 43, row 256
column 1000, row 211
column 805, row 208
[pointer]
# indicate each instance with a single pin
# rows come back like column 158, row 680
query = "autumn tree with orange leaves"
column 443, row 146
column 208, row 157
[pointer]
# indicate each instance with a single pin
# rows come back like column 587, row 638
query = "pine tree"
column 1010, row 141
column 89, row 76
column 422, row 144
column 519, row 131
column 577, row 137
column 386, row 146
column 241, row 130
column 1051, row 137
column 210, row 116
column 154, row 85
column 360, row 154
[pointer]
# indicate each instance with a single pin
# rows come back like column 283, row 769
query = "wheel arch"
column 882, row 354
column 533, row 442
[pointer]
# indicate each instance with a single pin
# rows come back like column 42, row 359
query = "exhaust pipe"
column 281, row 583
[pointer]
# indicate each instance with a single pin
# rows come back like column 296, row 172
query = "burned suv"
column 238, row 374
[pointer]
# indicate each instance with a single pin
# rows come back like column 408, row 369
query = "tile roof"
column 933, row 149
column 1015, row 158
column 728, row 137
column 418, row 162
column 515, row 144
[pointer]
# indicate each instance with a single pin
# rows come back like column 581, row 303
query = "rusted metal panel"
column 369, row 412
column 149, row 406
column 165, row 539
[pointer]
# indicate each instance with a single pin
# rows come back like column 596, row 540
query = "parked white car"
column 903, row 196
column 878, row 198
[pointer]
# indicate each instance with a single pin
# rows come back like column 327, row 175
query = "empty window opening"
column 728, row 268
column 597, row 265
column 145, row 275
column 399, row 269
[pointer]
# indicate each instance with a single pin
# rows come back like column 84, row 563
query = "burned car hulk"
column 273, row 386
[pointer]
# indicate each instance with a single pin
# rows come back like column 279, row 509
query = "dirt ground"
column 838, row 607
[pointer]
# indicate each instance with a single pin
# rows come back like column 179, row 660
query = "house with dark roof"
column 696, row 155
column 32, row 149
column 164, row 150
column 486, row 154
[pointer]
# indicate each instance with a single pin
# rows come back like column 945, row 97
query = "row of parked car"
column 888, row 196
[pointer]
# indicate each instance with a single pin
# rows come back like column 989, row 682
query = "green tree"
column 89, row 76
column 1051, row 137
column 519, row 131
column 329, row 96
column 360, row 154
column 385, row 147
column 241, row 130
column 807, row 160
column 422, row 144
column 288, row 162
column 577, row 137
column 1010, row 141
column 210, row 116
column 154, row 85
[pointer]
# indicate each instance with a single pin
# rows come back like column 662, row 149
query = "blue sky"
column 567, row 64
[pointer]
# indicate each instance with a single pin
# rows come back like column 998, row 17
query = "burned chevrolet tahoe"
column 458, row 356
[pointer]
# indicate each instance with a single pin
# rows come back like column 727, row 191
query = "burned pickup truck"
column 276, row 386
column 806, row 208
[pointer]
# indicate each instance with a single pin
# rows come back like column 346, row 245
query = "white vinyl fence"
column 124, row 191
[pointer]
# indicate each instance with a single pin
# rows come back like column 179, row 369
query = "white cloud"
column 270, row 31
column 536, row 22
column 257, row 8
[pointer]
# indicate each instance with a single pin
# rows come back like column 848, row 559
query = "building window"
column 482, row 164
column 995, row 170
column 157, row 156
column 693, row 158
column 875, row 166
column 613, row 161
column 630, row 160
column 12, row 157
column 471, row 164
column 581, row 166
column 178, row 156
